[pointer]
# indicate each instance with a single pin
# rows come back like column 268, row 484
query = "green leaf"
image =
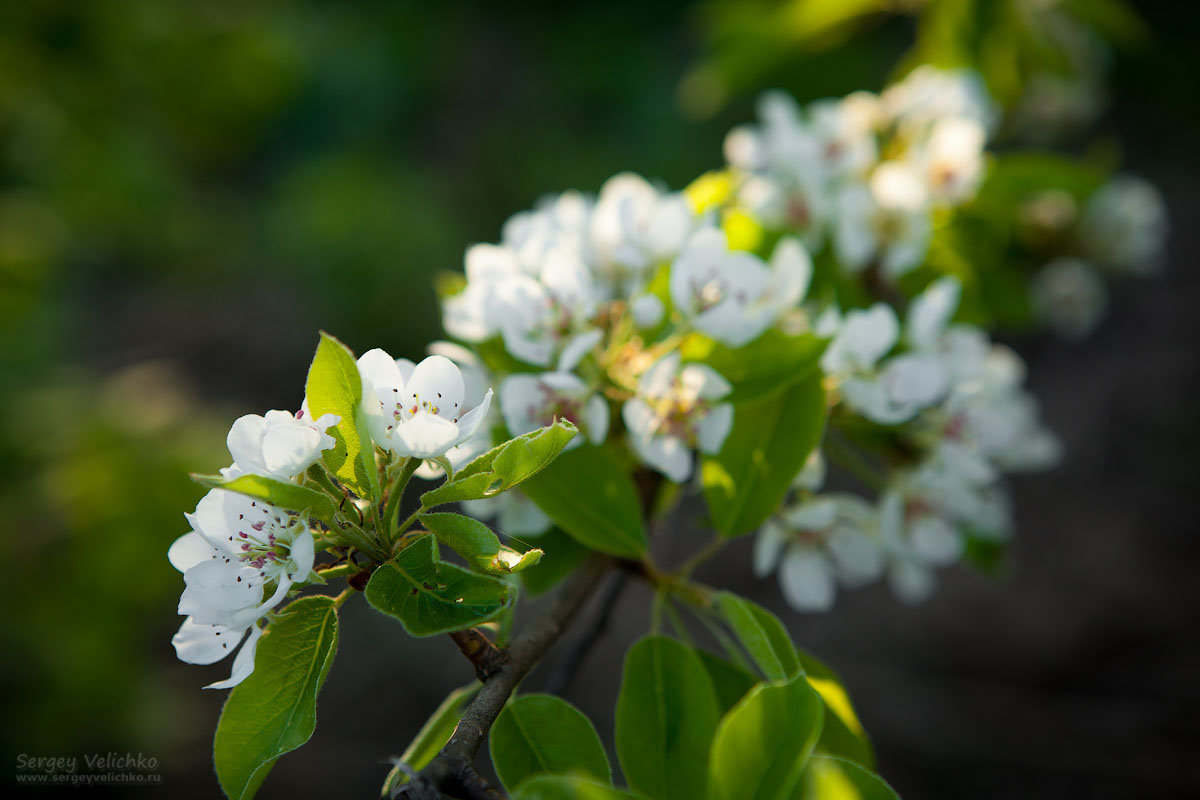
column 526, row 456
column 843, row 734
column 832, row 778
column 762, row 634
column 771, row 438
column 504, row 466
column 562, row 554
column 666, row 715
column 285, row 495
column 591, row 497
column 473, row 487
column 567, row 787
column 763, row 744
column 334, row 387
column 429, row 596
column 432, row 737
column 468, row 537
column 274, row 710
column 539, row 733
column 729, row 681
column 761, row 369
column 476, row 543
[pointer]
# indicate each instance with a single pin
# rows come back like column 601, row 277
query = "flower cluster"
column 239, row 548
column 586, row 308
column 867, row 171
column 1122, row 229
column 955, row 408
column 242, row 549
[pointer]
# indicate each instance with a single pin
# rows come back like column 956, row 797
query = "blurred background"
column 188, row 192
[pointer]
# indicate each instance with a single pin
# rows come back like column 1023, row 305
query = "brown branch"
column 452, row 771
column 480, row 651
column 561, row 678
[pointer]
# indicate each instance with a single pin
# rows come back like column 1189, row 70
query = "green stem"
column 395, row 494
column 702, row 555
column 407, row 523
column 677, row 622
column 341, row 598
column 855, row 463
column 320, row 475
column 339, row 571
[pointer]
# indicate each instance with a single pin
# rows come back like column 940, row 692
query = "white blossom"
column 952, row 159
column 886, row 220
column 928, row 95
column 560, row 222
column 732, row 295
column 1124, row 225
column 817, row 544
column 634, row 227
column 531, row 401
column 279, row 445
column 676, row 409
column 1070, row 296
column 236, row 547
column 417, row 411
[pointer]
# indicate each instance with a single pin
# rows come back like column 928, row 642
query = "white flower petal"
column 806, row 578
column 204, row 644
column 243, row 664
column 468, row 424
column 935, row 540
column 768, row 547
column 912, row 582
column 288, row 450
column 245, row 441
column 595, row 419
column 189, row 550
column 437, row 387
column 426, row 436
column 577, row 349
column 714, row 427
column 667, row 454
column 930, row 312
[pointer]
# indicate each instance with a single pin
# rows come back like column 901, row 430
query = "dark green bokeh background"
column 188, row 192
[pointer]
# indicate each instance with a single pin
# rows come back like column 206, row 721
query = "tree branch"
column 480, row 651
column 452, row 771
column 560, row 679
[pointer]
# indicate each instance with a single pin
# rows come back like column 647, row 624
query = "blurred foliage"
column 189, row 191
column 1044, row 61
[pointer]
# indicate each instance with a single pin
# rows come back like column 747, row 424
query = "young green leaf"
column 431, row 738
column 468, row 537
column 429, row 596
column 278, row 493
column 476, row 543
column 762, row 634
column 771, row 439
column 568, row 787
column 334, row 387
column 666, row 715
column 504, row 466
column 561, row 555
column 730, row 682
column 541, row 734
column 843, row 734
column 829, row 776
column 526, row 456
column 274, row 711
column 763, row 744
column 591, row 497
column 761, row 369
column 472, row 487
